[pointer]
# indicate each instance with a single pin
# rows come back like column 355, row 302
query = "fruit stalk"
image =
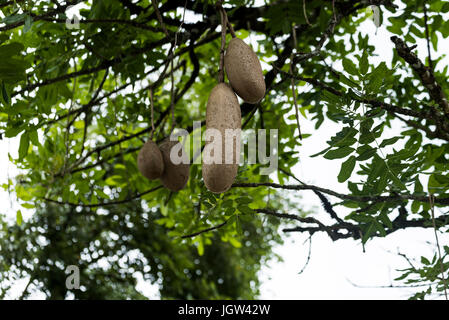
column 292, row 81
column 223, row 44
column 152, row 113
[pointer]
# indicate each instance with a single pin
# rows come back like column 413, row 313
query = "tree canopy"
column 77, row 95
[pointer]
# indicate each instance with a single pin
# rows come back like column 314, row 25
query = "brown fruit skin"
column 222, row 112
column 175, row 176
column 244, row 71
column 149, row 161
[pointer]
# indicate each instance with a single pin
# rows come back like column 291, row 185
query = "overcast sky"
column 336, row 269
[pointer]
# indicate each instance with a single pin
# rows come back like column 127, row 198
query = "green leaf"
column 228, row 203
column 385, row 219
column 13, row 19
column 11, row 49
column 234, row 242
column 19, row 217
column 244, row 200
column 28, row 23
column 24, row 144
column 415, row 206
column 350, row 67
column 390, row 141
column 229, row 211
column 445, row 29
column 348, row 81
column 200, row 247
column 397, row 182
column 12, row 132
column 12, row 70
column 320, row 153
column 364, row 64
column 413, row 29
column 346, row 169
column 365, row 152
column 340, row 138
column 376, row 78
column 380, row 228
column 425, row 261
column 445, row 7
column 370, row 230
column 208, row 205
column 339, row 153
column 3, row 38
column 34, row 138
column 5, row 95
column 28, row 205
column 238, row 225
column 245, row 209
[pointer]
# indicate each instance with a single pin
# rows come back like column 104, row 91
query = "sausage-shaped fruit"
column 149, row 161
column 244, row 71
column 175, row 176
column 223, row 121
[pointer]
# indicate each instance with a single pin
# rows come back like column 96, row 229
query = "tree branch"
column 375, row 198
column 425, row 74
column 104, row 204
column 205, row 230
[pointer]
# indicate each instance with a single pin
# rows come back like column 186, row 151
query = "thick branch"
column 425, row 74
column 375, row 198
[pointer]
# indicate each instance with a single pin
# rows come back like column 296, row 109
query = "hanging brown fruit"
column 244, row 71
column 149, row 161
column 222, row 112
column 175, row 176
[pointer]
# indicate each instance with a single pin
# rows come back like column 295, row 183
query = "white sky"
column 332, row 264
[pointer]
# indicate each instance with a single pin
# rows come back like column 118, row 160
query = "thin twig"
column 172, row 96
column 305, row 12
column 219, row 7
column 427, row 35
column 87, row 111
column 205, row 230
column 222, row 48
column 250, row 116
column 230, row 27
column 389, row 286
column 104, row 204
column 403, row 255
column 431, row 202
column 326, row 35
column 292, row 81
column 308, row 255
column 171, row 57
column 25, row 291
column 172, row 79
column 159, row 18
column 152, row 113
column 333, row 10
column 290, row 216
column 69, row 123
